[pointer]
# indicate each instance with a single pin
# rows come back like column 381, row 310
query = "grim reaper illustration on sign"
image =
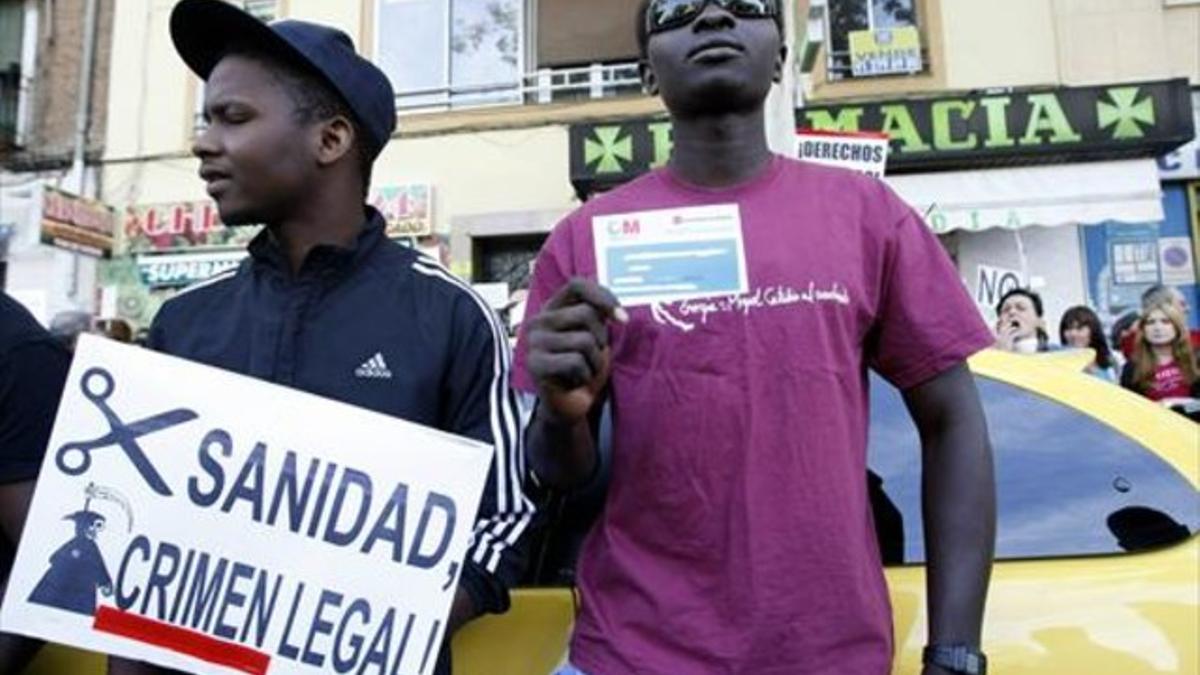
column 77, row 568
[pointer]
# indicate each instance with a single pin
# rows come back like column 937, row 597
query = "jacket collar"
column 324, row 259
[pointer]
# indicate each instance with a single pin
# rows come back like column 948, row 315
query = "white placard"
column 496, row 294
column 991, row 283
column 671, row 254
column 210, row 522
column 865, row 152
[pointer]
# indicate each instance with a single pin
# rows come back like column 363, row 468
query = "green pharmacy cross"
column 1126, row 112
column 609, row 149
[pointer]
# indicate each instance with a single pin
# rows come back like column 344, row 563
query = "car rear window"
column 1067, row 484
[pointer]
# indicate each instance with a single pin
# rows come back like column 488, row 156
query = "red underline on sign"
column 181, row 640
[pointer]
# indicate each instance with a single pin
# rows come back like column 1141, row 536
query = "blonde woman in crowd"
column 1162, row 367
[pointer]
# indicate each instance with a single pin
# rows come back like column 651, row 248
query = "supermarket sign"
column 176, row 270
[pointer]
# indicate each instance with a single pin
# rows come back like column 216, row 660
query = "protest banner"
column 210, row 522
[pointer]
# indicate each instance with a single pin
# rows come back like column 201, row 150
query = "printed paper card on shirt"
column 210, row 522
column 671, row 254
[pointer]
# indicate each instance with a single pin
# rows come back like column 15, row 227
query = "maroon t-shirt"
column 737, row 535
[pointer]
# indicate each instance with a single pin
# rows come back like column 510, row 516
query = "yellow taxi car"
column 1097, row 560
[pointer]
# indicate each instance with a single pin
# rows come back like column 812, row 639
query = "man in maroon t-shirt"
column 737, row 534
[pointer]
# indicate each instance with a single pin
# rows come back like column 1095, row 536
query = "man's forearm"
column 959, row 534
column 562, row 454
column 959, row 508
column 958, row 505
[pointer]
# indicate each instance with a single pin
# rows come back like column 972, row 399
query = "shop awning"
column 1061, row 194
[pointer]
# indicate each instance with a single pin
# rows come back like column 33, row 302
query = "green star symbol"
column 1126, row 112
column 609, row 149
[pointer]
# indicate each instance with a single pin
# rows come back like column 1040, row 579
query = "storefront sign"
column 865, row 152
column 887, row 51
column 408, row 209
column 996, row 128
column 1183, row 163
column 180, row 226
column 77, row 224
column 176, row 270
column 1145, row 119
column 606, row 155
column 211, row 522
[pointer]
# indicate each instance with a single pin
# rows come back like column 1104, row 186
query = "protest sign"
column 991, row 283
column 210, row 522
column 861, row 151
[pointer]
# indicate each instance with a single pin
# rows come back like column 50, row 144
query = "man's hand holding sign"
column 252, row 538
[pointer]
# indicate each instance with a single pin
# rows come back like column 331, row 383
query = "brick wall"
column 56, row 83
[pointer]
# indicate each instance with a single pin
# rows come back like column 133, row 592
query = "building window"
column 873, row 37
column 440, row 53
column 453, row 53
column 263, row 10
column 12, row 17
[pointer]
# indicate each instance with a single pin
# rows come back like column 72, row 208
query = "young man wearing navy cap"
column 325, row 302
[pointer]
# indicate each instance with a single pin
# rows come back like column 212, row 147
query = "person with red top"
column 737, row 532
column 1160, row 294
column 1163, row 366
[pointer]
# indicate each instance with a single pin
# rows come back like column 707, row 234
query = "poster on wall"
column 407, row 209
column 1122, row 262
column 885, row 51
column 1175, row 261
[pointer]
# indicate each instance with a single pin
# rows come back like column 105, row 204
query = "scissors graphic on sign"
column 97, row 385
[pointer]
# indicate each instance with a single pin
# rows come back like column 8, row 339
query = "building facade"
column 537, row 103
column 52, row 133
column 1031, row 136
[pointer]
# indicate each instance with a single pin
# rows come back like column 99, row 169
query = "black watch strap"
column 962, row 659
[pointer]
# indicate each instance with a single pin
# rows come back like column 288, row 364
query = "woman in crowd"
column 1162, row 366
column 1080, row 329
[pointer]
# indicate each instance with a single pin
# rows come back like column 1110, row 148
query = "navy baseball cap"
column 204, row 31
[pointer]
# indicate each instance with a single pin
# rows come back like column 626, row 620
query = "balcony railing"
column 597, row 81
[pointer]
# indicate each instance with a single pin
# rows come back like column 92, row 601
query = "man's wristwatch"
column 956, row 659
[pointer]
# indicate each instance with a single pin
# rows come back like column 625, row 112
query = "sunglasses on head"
column 667, row 14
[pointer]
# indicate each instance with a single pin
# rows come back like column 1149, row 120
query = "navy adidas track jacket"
column 382, row 327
